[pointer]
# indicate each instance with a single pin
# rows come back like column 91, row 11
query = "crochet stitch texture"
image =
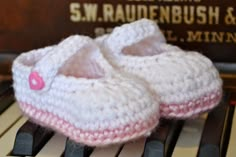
column 187, row 82
column 81, row 95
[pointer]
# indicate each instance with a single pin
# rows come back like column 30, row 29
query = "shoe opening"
column 148, row 46
column 83, row 64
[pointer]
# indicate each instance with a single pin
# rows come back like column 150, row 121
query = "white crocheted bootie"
column 187, row 82
column 72, row 89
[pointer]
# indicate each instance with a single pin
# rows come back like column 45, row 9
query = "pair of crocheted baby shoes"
column 115, row 88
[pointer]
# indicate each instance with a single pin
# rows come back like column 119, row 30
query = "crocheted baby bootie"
column 72, row 89
column 187, row 82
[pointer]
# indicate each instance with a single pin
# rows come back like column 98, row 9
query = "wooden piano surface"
column 211, row 134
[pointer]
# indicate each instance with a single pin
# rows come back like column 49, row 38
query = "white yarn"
column 177, row 76
column 112, row 101
column 129, row 34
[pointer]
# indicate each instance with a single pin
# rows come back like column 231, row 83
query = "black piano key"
column 30, row 138
column 74, row 149
column 6, row 99
column 161, row 143
column 4, row 86
column 216, row 130
column 227, row 130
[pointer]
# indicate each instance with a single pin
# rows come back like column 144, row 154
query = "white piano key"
column 133, row 149
column 54, row 147
column 109, row 151
column 9, row 117
column 231, row 151
column 7, row 140
column 190, row 137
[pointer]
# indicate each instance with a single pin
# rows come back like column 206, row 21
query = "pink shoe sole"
column 191, row 109
column 88, row 137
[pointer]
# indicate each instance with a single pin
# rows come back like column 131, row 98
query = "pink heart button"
column 35, row 81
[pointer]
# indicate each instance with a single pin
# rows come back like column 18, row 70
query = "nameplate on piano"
column 203, row 25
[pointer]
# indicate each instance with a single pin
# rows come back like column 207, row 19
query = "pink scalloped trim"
column 92, row 138
column 191, row 108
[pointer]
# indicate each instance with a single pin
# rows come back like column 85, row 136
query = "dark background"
column 30, row 24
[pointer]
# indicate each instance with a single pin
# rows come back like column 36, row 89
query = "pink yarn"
column 191, row 108
column 92, row 138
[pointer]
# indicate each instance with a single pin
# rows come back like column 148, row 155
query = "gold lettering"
column 130, row 13
column 206, row 36
column 142, row 11
column 90, row 11
column 214, row 14
column 194, row 36
column 176, row 14
column 153, row 12
column 231, row 37
column 213, row 37
column 217, row 37
column 109, row 30
column 201, row 14
column 99, row 31
column 168, row 14
column 229, row 18
column 170, row 36
column 75, row 12
column 119, row 16
column 108, row 13
column 189, row 14
column 164, row 14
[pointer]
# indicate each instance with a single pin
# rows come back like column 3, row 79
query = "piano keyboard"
column 212, row 134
